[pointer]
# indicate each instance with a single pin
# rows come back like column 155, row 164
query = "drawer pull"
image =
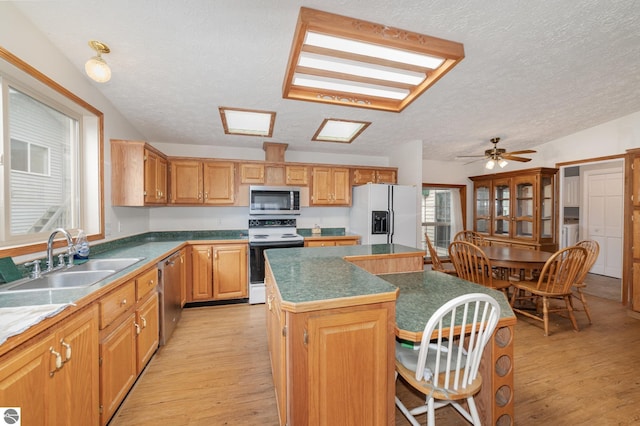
column 67, row 353
column 124, row 302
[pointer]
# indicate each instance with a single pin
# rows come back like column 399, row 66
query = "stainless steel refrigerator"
column 383, row 214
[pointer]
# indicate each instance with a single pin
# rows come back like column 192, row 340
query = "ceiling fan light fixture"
column 96, row 67
column 502, row 163
column 490, row 164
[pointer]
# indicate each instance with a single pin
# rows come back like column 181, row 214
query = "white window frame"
column 89, row 172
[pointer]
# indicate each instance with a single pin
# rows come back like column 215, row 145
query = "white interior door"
column 604, row 218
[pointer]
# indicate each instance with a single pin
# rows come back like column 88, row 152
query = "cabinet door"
column 251, row 173
column 147, row 320
column 186, row 182
column 547, row 207
column 364, row 176
column 150, row 173
column 161, row 181
column 524, row 208
column 24, row 380
column 322, row 186
column 202, row 272
column 78, row 345
column 502, row 207
column 219, row 182
column 230, row 271
column 297, row 175
column 386, row 176
column 337, row 377
column 341, row 187
column 482, row 208
column 118, row 369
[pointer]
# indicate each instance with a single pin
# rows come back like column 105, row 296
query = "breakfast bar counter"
column 332, row 327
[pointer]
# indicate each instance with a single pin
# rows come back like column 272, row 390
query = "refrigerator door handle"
column 392, row 218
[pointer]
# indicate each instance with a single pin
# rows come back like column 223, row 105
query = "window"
column 51, row 154
column 443, row 214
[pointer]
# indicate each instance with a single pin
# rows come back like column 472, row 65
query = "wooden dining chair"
column 471, row 237
column 558, row 276
column 445, row 369
column 593, row 250
column 436, row 263
column 472, row 264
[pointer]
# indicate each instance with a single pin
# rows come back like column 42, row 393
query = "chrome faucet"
column 70, row 247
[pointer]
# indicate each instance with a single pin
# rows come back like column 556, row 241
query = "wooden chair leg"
column 545, row 314
column 567, row 302
column 583, row 299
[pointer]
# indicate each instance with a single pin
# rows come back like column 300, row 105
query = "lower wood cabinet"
column 55, row 379
column 331, row 242
column 317, row 371
column 219, row 271
column 128, row 339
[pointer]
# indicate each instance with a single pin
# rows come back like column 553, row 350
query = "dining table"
column 522, row 260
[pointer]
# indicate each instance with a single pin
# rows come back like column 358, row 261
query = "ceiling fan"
column 500, row 156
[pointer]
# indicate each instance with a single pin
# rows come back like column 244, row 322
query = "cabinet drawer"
column 117, row 302
column 146, row 282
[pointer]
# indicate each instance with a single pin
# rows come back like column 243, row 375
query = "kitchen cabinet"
column 138, row 174
column 313, row 379
column 202, row 182
column 55, row 379
column 631, row 258
column 331, row 186
column 297, row 175
column 571, row 191
column 362, row 176
column 219, row 271
column 517, row 208
column 252, row 173
column 331, row 242
column 129, row 336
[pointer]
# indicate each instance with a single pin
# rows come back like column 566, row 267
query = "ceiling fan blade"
column 473, row 161
column 526, row 151
column 512, row 158
column 471, row 156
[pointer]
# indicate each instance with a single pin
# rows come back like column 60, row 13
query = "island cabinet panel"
column 50, row 392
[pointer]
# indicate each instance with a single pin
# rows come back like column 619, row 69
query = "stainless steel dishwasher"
column 170, row 303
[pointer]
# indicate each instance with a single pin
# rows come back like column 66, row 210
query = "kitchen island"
column 332, row 327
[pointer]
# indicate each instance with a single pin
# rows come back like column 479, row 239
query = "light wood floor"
column 215, row 371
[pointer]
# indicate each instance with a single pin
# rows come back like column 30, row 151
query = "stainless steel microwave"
column 274, row 200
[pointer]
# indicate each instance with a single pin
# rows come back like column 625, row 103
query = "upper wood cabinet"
column 138, row 174
column 297, row 175
column 252, row 173
column 276, row 174
column 202, row 182
column 362, row 176
column 330, row 186
column 517, row 208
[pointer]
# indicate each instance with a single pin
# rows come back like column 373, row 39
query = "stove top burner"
column 268, row 230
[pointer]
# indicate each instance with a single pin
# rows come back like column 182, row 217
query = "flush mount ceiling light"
column 248, row 122
column 346, row 61
column 96, row 67
column 335, row 130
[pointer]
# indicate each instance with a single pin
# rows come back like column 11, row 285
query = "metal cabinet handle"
column 138, row 330
column 124, row 302
column 67, row 352
column 58, row 361
column 144, row 321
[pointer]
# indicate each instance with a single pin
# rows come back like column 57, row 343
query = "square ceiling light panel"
column 247, row 122
column 346, row 61
column 335, row 130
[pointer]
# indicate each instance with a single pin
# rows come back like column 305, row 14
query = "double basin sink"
column 82, row 275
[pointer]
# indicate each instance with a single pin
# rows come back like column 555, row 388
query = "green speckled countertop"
column 151, row 246
column 307, row 275
column 325, row 232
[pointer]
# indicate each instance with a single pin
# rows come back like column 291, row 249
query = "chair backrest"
column 436, row 264
column 561, row 271
column 471, row 263
column 452, row 361
column 471, row 237
column 593, row 249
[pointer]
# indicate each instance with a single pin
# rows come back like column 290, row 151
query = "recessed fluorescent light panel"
column 247, row 122
column 344, row 131
column 346, row 61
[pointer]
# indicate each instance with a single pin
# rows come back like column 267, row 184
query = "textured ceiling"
column 533, row 71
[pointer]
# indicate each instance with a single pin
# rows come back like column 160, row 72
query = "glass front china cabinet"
column 517, row 208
